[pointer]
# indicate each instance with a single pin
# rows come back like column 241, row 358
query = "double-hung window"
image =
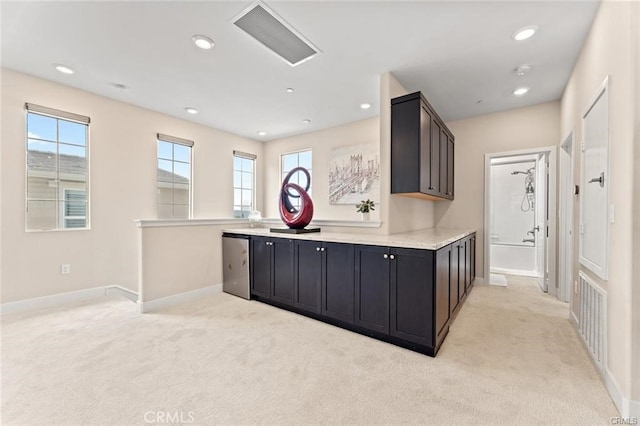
column 243, row 183
column 292, row 160
column 174, row 177
column 57, row 169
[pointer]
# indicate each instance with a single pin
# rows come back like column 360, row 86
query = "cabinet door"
column 462, row 268
column 453, row 273
column 405, row 147
column 308, row 276
column 450, row 165
column 441, row 139
column 261, row 269
column 338, row 289
column 412, row 295
column 372, row 288
column 426, row 153
column 283, row 270
column 437, row 167
column 467, row 263
column 472, row 259
column 443, row 260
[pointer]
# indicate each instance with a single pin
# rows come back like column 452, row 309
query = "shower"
column 528, row 199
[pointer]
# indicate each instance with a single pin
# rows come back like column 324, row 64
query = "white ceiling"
column 456, row 53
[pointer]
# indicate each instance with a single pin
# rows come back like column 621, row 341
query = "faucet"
column 529, row 240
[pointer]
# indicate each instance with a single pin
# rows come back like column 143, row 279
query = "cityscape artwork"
column 354, row 174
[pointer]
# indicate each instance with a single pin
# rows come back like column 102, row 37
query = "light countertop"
column 427, row 239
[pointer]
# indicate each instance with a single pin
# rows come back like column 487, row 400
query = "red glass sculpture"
column 296, row 218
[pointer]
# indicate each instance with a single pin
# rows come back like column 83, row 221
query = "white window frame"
column 62, row 217
column 240, row 214
column 64, row 116
column 175, row 141
column 296, row 201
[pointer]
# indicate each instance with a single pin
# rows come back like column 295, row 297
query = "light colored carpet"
column 511, row 357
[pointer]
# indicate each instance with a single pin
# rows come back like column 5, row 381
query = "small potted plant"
column 365, row 207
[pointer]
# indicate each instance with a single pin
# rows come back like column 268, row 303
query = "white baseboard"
column 66, row 298
column 121, row 291
column 177, row 299
column 634, row 409
column 628, row 408
column 573, row 318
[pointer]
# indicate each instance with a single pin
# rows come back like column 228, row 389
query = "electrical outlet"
column 65, row 268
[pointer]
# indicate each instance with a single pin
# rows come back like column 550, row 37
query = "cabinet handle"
column 317, row 248
column 392, row 257
column 431, row 188
column 322, row 249
column 386, row 256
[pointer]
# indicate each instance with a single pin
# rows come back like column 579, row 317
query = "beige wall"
column 122, row 189
column 610, row 51
column 194, row 265
column 523, row 128
column 321, row 144
column 635, row 349
column 399, row 213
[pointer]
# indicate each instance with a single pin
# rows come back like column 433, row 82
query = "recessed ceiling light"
column 520, row 91
column 524, row 32
column 306, row 121
column 64, row 69
column 522, row 69
column 191, row 110
column 262, row 133
column 365, row 105
column 288, row 90
column 203, row 42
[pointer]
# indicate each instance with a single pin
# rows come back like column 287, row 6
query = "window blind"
column 175, row 139
column 57, row 113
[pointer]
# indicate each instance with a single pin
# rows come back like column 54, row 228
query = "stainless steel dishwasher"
column 235, row 265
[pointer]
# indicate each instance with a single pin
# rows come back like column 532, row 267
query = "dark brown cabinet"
column 324, row 279
column 461, row 270
column 372, row 288
column 308, row 276
column 422, row 150
column 403, row 296
column 338, row 284
column 272, row 269
column 412, row 295
column 442, row 280
column 454, row 277
column 394, row 292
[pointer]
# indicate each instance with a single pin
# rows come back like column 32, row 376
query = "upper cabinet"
column 422, row 150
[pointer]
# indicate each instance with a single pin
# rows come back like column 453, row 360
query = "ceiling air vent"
column 273, row 32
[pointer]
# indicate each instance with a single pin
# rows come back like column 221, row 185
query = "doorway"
column 519, row 223
column 565, row 228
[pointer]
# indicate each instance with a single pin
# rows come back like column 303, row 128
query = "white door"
column 541, row 220
column 594, row 206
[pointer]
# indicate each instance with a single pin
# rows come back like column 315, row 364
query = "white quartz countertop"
column 427, row 239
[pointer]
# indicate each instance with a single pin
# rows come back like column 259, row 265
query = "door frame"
column 550, row 151
column 565, row 218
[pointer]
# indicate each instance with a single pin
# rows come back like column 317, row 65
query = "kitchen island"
column 404, row 288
